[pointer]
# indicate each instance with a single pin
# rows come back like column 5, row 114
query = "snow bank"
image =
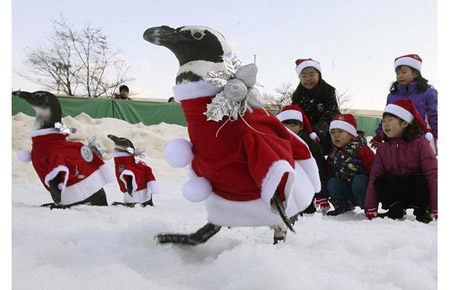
column 114, row 247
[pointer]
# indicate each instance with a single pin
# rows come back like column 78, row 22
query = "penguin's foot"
column 124, row 204
column 279, row 233
column 149, row 203
column 200, row 236
column 280, row 208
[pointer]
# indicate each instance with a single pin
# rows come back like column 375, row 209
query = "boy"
column 349, row 163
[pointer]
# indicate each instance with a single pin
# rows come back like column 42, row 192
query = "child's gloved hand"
column 376, row 141
column 371, row 213
column 434, row 214
column 323, row 203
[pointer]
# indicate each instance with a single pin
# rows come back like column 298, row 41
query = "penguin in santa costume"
column 135, row 178
column 72, row 172
column 247, row 167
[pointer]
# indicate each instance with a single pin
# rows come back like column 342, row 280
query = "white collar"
column 194, row 90
column 42, row 132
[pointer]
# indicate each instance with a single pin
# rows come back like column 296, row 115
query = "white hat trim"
column 409, row 61
column 290, row 115
column 307, row 63
column 338, row 124
column 399, row 112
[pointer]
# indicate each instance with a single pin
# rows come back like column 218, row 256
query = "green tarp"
column 146, row 112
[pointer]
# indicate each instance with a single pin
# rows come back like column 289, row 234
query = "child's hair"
column 322, row 88
column 422, row 83
column 291, row 122
column 411, row 132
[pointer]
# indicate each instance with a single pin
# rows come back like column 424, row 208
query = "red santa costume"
column 83, row 173
column 143, row 183
column 238, row 171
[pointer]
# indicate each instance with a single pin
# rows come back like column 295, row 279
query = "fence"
column 137, row 111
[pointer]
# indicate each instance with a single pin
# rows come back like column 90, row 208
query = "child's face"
column 394, row 127
column 405, row 75
column 340, row 137
column 309, row 78
column 296, row 128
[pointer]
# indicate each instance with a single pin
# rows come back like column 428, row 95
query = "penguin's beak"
column 24, row 95
column 112, row 137
column 162, row 35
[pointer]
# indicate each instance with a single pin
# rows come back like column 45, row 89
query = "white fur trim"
column 307, row 63
column 52, row 174
column 143, row 195
column 120, row 154
column 312, row 170
column 290, row 115
column 409, row 61
column 23, row 155
column 272, row 180
column 339, row 124
column 429, row 136
column 178, row 153
column 42, row 132
column 399, row 112
column 302, row 191
column 197, row 189
column 194, row 90
column 82, row 190
column 127, row 172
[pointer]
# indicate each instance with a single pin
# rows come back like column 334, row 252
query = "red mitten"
column 323, row 203
column 371, row 213
column 376, row 140
column 434, row 214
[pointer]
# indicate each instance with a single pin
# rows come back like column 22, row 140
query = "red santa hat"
column 405, row 110
column 304, row 63
column 411, row 60
column 345, row 122
column 294, row 112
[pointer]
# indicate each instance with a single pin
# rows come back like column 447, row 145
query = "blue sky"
column 355, row 41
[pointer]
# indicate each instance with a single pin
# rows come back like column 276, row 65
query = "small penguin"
column 134, row 176
column 71, row 171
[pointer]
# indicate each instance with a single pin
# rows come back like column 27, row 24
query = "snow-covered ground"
column 114, row 247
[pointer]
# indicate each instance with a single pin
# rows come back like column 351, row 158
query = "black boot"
column 396, row 211
column 422, row 215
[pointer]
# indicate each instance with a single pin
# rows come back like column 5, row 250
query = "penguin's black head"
column 47, row 107
column 197, row 48
column 120, row 143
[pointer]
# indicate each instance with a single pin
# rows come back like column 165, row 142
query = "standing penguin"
column 134, row 176
column 247, row 167
column 71, row 171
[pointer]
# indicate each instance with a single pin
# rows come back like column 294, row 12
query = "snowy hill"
column 114, row 247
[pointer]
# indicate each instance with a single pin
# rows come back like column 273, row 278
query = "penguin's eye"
column 198, row 34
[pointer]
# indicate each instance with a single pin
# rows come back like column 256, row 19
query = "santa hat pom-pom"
column 197, row 189
column 313, row 136
column 178, row 153
column 429, row 136
column 24, row 156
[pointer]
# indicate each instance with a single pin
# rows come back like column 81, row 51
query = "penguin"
column 255, row 172
column 134, row 176
column 70, row 171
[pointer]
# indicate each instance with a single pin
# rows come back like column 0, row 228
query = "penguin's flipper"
column 130, row 185
column 54, row 189
column 280, row 208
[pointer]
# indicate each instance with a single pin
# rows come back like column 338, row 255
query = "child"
column 410, row 84
column 294, row 118
column 316, row 98
column 404, row 173
column 349, row 162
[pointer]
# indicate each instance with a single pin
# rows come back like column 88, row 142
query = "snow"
column 114, row 247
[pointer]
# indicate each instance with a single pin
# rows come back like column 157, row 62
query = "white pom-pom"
column 429, row 136
column 197, row 189
column 178, row 153
column 313, row 136
column 24, row 156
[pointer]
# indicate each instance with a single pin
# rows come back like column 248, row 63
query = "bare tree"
column 75, row 60
column 343, row 99
column 279, row 98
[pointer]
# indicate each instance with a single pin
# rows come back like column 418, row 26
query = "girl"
column 410, row 84
column 404, row 173
column 317, row 99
